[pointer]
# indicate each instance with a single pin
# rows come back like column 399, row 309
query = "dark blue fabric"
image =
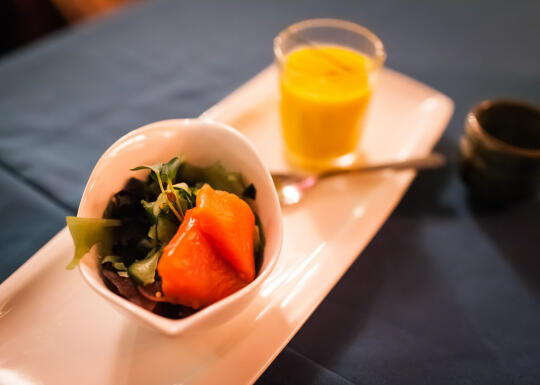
column 443, row 294
column 446, row 292
column 27, row 221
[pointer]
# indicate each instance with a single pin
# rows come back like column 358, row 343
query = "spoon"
column 291, row 187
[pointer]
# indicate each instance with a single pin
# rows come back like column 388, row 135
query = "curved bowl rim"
column 166, row 325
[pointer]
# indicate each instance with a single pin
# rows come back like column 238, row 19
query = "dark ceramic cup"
column 500, row 151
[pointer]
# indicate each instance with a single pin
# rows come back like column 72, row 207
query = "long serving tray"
column 55, row 330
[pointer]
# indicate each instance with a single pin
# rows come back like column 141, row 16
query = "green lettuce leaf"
column 215, row 175
column 116, row 262
column 87, row 232
column 163, row 231
column 170, row 169
column 144, row 271
column 158, row 207
column 185, row 197
column 163, row 172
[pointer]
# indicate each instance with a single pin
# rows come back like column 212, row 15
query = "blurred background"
column 22, row 21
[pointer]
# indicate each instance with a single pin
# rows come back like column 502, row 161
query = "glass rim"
column 378, row 58
column 473, row 126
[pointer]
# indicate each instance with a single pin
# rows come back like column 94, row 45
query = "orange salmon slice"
column 229, row 223
column 192, row 272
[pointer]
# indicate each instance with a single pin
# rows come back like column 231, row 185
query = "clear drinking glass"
column 327, row 70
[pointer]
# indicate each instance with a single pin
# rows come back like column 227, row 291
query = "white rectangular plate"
column 55, row 330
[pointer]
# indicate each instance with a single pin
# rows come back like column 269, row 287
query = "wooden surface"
column 75, row 10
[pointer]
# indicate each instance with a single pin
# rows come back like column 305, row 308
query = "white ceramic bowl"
column 202, row 143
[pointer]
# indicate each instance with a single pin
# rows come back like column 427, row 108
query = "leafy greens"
column 87, row 232
column 143, row 217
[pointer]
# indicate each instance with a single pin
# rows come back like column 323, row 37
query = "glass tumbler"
column 327, row 73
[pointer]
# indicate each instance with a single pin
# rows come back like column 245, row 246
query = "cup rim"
column 378, row 58
column 473, row 126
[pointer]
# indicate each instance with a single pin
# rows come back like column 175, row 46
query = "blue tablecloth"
column 445, row 294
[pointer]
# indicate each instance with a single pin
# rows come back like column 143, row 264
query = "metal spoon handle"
column 433, row 160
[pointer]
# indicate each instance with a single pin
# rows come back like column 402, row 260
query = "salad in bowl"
column 179, row 225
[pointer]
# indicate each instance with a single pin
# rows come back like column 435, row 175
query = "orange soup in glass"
column 327, row 72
